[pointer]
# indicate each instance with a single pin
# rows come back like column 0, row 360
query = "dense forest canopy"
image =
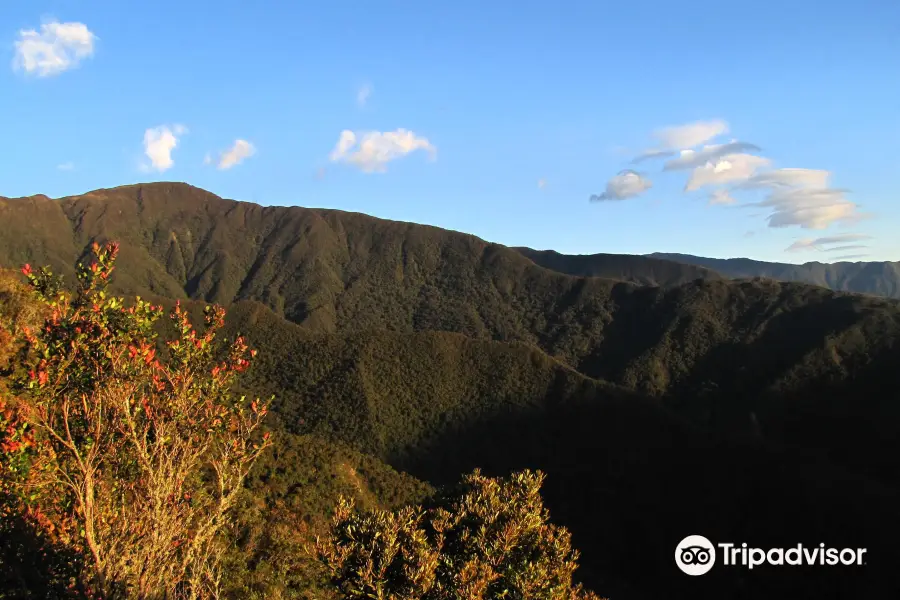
column 660, row 399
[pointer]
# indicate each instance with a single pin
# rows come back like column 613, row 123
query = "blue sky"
column 496, row 118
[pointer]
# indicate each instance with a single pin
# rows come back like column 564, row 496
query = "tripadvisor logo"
column 696, row 555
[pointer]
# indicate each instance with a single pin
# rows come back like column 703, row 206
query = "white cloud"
column 796, row 197
column 726, row 169
column 542, row 183
column 159, row 142
column 690, row 134
column 804, row 245
column 362, row 96
column 691, row 159
column 346, row 141
column 802, row 197
column 57, row 47
column 371, row 151
column 721, row 197
column 239, row 151
column 809, row 208
column 627, row 184
column 66, row 166
column 805, row 178
column 683, row 137
column 807, row 244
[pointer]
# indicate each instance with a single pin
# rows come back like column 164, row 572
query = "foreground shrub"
column 131, row 459
column 490, row 539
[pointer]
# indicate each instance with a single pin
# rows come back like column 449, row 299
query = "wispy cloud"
column 845, row 248
column 725, row 169
column 542, row 183
column 850, row 256
column 56, row 48
column 653, row 154
column 721, row 197
column 808, row 244
column 371, row 151
column 238, row 153
column 843, row 237
column 627, row 184
column 680, row 137
column 796, row 197
column 363, row 95
column 691, row 159
column 802, row 197
column 713, row 164
column 805, row 178
column 809, row 208
column 159, row 142
column 66, row 166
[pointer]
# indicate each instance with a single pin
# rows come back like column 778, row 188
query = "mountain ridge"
column 433, row 351
column 626, row 267
column 879, row 278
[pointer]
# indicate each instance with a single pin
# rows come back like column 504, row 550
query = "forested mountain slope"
column 691, row 404
column 876, row 278
column 644, row 270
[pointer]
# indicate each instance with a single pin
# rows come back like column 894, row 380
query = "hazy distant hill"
column 662, row 399
column 877, row 278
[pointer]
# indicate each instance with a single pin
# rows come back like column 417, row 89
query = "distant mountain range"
column 669, row 269
column 662, row 397
column 876, row 278
column 638, row 269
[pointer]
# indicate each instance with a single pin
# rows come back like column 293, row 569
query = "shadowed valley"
column 662, row 399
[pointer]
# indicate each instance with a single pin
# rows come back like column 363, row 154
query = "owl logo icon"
column 695, row 555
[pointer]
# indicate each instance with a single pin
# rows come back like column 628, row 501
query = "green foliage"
column 861, row 277
column 645, row 270
column 392, row 394
column 131, row 462
column 396, row 346
column 292, row 492
column 489, row 539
